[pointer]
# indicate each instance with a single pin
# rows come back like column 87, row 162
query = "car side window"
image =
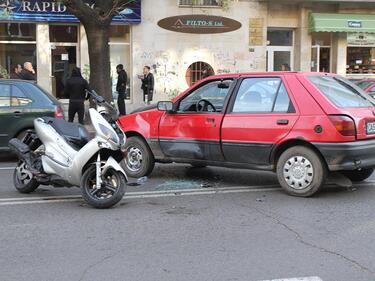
column 262, row 95
column 19, row 98
column 5, row 91
column 214, row 92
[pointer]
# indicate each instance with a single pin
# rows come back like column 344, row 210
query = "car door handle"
column 282, row 122
column 18, row 113
column 211, row 120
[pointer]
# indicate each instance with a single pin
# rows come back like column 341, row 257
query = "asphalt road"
column 238, row 225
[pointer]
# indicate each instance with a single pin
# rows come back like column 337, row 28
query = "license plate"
column 370, row 128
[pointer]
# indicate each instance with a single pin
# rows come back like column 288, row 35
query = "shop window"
column 204, row 3
column 197, row 71
column 13, row 54
column 360, row 60
column 119, row 33
column 17, row 32
column 63, row 33
column 280, row 37
column 119, row 46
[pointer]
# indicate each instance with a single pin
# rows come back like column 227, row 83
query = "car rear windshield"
column 341, row 92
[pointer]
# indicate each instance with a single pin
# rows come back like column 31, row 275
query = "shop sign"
column 354, row 24
column 55, row 11
column 199, row 24
column 361, row 39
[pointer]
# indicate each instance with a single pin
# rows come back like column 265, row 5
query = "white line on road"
column 139, row 195
column 7, row 168
column 313, row 278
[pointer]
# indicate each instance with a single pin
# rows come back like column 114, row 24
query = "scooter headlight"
column 109, row 134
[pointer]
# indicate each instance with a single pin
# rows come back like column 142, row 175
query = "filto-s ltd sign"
column 199, row 24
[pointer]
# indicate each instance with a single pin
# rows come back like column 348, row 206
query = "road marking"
column 313, row 278
column 138, row 195
column 7, row 168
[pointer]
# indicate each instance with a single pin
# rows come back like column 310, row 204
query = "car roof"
column 274, row 73
column 17, row 81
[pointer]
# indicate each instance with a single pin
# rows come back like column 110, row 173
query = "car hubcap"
column 298, row 172
column 134, row 159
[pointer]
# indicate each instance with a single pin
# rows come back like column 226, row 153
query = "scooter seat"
column 74, row 133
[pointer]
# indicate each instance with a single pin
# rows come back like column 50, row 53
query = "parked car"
column 299, row 125
column 368, row 85
column 20, row 103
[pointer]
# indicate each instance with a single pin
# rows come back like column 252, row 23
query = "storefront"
column 44, row 33
column 353, row 39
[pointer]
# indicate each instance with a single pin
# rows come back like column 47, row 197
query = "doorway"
column 64, row 58
column 320, row 59
column 280, row 58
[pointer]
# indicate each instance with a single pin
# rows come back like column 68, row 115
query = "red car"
column 368, row 85
column 299, row 125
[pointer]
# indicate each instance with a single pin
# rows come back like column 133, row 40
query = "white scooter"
column 61, row 154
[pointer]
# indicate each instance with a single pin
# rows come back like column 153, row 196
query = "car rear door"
column 259, row 116
column 193, row 134
column 6, row 116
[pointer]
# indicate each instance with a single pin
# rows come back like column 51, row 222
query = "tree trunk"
column 100, row 69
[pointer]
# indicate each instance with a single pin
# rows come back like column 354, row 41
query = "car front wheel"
column 301, row 171
column 139, row 160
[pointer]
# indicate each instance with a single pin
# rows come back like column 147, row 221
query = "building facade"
column 183, row 40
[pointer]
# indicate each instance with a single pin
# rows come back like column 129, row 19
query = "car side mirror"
column 165, row 106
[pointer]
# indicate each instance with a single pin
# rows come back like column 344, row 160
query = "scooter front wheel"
column 23, row 179
column 110, row 192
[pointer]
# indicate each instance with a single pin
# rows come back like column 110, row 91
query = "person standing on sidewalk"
column 121, row 88
column 75, row 91
column 28, row 72
column 147, row 84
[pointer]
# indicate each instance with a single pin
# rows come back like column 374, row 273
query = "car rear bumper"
column 348, row 155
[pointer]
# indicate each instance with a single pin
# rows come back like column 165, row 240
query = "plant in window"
column 4, row 73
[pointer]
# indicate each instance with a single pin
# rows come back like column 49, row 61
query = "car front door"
column 193, row 131
column 259, row 116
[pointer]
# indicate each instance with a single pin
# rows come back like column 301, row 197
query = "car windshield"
column 364, row 84
column 341, row 92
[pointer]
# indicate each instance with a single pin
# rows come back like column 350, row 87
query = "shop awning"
column 321, row 22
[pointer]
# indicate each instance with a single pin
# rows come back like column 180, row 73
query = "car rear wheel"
column 358, row 175
column 301, row 171
column 139, row 160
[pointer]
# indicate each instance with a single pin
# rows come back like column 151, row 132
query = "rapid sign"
column 55, row 11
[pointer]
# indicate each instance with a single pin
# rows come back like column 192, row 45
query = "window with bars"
column 202, row 3
column 197, row 71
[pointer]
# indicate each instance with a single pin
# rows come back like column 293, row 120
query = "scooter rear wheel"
column 109, row 194
column 23, row 180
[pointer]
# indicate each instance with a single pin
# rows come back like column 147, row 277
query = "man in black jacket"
column 75, row 91
column 147, row 84
column 28, row 72
column 121, row 88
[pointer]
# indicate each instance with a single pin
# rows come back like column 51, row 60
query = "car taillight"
column 343, row 124
column 59, row 113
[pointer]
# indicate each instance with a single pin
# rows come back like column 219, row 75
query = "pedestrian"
column 147, row 84
column 75, row 91
column 121, row 88
column 16, row 71
column 28, row 72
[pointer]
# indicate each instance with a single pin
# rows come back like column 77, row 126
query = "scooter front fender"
column 111, row 163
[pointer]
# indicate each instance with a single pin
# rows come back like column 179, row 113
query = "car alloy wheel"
column 298, row 172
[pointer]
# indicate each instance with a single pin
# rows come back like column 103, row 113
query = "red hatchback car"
column 299, row 125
